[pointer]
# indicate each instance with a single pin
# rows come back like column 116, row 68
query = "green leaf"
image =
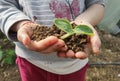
column 83, row 29
column 63, row 24
column 9, row 57
column 8, row 60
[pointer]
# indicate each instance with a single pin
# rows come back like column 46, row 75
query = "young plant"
column 65, row 26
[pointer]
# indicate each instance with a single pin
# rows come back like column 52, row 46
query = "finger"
column 43, row 44
column 61, row 54
column 96, row 44
column 70, row 54
column 84, row 54
column 23, row 37
column 59, row 46
column 81, row 55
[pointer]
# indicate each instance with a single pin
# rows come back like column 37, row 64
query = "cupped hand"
column 93, row 45
column 76, row 55
column 47, row 45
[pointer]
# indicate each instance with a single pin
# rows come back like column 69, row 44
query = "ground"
column 99, row 69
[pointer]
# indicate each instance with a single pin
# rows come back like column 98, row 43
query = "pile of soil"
column 74, row 42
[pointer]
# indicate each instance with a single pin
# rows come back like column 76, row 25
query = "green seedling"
column 65, row 26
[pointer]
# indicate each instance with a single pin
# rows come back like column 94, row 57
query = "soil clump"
column 74, row 42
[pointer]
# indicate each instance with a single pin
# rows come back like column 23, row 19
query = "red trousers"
column 29, row 72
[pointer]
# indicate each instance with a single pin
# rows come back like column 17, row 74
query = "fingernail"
column 64, row 48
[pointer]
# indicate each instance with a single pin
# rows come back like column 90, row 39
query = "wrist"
column 79, row 22
column 19, row 24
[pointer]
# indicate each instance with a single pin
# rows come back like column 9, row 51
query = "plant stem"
column 66, row 35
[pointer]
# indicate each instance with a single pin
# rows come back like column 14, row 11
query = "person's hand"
column 93, row 45
column 47, row 45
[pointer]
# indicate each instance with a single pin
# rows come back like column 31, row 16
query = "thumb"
column 96, row 44
column 24, row 37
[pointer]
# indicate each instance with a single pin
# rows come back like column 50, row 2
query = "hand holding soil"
column 75, row 42
column 46, row 45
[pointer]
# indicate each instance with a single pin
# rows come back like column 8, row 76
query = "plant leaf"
column 9, row 57
column 9, row 52
column 83, row 29
column 63, row 24
column 8, row 60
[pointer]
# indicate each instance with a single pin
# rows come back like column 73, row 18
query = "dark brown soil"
column 74, row 42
